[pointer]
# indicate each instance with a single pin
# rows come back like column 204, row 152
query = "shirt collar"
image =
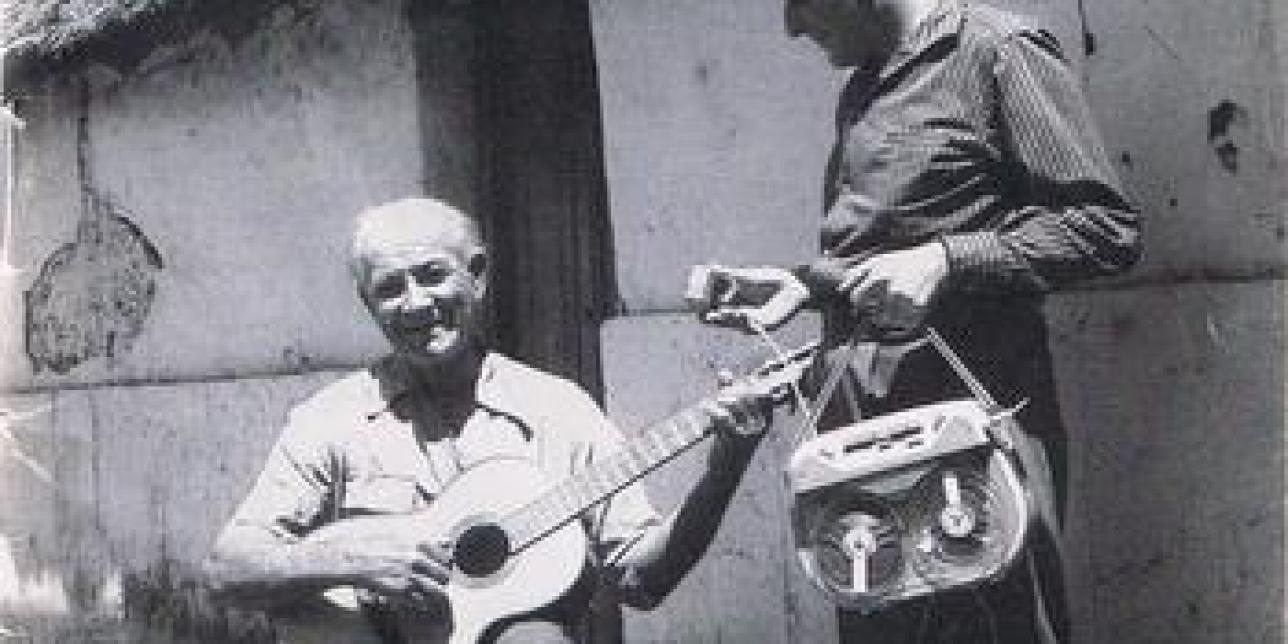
column 943, row 22
column 397, row 380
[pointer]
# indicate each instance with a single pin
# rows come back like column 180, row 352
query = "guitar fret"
column 651, row 447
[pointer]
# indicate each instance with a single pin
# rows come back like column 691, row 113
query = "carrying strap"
column 809, row 426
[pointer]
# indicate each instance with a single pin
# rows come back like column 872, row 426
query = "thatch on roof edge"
column 48, row 35
column 44, row 28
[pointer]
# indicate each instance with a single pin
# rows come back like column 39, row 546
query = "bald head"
column 419, row 222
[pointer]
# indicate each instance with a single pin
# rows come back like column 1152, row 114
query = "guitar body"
column 512, row 534
column 487, row 584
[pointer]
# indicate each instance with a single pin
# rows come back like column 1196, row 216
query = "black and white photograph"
column 605, row 321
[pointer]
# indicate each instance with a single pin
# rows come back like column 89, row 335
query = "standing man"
column 967, row 181
column 340, row 502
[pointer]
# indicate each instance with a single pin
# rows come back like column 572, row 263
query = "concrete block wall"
column 1175, row 380
column 716, row 131
column 241, row 164
column 239, row 159
column 714, row 128
column 747, row 588
column 1177, row 482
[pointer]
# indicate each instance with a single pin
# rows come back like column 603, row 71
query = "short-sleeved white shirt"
column 353, row 448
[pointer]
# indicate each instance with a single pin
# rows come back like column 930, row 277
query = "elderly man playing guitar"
column 422, row 492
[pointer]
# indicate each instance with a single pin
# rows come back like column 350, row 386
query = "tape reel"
column 923, row 523
column 963, row 521
column 851, row 543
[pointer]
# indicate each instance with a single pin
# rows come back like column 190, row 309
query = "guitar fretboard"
column 652, row 448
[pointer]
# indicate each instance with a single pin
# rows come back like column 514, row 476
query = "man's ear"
column 358, row 272
column 362, row 296
column 478, row 268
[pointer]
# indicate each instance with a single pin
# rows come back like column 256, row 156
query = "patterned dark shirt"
column 976, row 133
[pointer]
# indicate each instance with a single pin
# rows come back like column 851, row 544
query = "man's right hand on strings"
column 388, row 555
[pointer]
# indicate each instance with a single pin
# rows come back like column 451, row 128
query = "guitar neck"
column 601, row 479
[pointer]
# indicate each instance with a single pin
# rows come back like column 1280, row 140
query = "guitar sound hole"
column 481, row 550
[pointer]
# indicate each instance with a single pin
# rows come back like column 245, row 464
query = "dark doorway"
column 512, row 133
column 543, row 186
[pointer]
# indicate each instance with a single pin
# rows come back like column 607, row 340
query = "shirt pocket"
column 382, row 493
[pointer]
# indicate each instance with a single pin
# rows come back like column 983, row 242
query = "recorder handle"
column 809, row 425
column 959, row 367
column 1000, row 433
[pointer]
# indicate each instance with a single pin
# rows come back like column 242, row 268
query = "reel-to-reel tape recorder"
column 904, row 505
column 908, row 504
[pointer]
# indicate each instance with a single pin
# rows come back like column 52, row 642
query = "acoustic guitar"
column 514, row 540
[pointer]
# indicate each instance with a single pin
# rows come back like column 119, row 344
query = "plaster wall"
column 1174, row 396
column 747, row 588
column 240, row 160
column 717, row 128
column 713, row 127
column 110, row 496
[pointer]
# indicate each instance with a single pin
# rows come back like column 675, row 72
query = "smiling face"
column 851, row 33
column 421, row 271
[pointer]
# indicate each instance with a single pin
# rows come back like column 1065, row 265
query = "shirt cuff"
column 976, row 258
column 822, row 277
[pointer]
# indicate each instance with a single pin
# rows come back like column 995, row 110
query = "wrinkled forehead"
column 383, row 236
column 410, row 233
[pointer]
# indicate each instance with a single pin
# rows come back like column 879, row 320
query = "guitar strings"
column 782, row 357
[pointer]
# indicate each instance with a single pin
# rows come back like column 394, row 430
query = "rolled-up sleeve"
column 1074, row 221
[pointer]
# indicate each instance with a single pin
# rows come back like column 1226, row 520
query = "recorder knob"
column 956, row 519
column 859, row 544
